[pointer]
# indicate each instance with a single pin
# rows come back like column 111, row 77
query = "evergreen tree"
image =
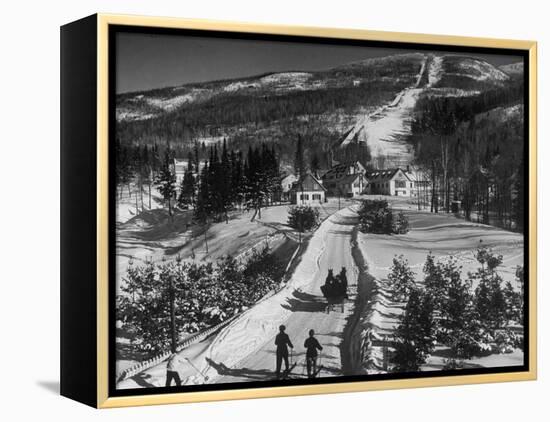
column 415, row 334
column 224, row 182
column 315, row 165
column 299, row 162
column 490, row 300
column 203, row 208
column 166, row 182
column 459, row 327
column 434, row 282
column 401, row 279
column 256, row 186
column 123, row 170
column 147, row 170
column 186, row 197
column 196, row 155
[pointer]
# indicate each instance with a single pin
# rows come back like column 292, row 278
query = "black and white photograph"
column 292, row 211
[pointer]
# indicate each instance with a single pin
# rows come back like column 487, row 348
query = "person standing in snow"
column 172, row 373
column 282, row 341
column 312, row 345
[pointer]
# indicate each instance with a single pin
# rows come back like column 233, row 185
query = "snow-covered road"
column 244, row 351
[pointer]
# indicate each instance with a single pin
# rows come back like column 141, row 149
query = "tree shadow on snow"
column 305, row 302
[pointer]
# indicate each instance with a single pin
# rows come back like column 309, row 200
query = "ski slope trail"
column 384, row 130
column 245, row 350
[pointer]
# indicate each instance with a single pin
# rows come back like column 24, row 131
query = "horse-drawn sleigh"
column 335, row 289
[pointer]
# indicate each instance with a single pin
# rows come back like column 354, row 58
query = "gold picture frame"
column 103, row 399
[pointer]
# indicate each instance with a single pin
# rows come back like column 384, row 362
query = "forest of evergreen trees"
column 474, row 154
column 446, row 310
column 211, row 186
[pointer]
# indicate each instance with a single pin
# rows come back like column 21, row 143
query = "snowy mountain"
column 513, row 69
column 370, row 101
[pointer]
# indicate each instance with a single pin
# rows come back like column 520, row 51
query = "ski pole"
column 197, row 370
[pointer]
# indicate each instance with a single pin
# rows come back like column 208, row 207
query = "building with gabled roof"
column 307, row 191
column 394, row 182
column 347, row 179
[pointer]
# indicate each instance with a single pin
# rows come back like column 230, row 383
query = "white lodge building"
column 394, row 182
column 307, row 191
column 345, row 180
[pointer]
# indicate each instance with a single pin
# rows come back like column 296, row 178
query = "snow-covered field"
column 152, row 235
column 126, row 207
column 243, row 351
column 444, row 236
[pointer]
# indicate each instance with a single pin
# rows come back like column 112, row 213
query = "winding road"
column 245, row 350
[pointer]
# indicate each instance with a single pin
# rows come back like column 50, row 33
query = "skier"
column 282, row 341
column 312, row 345
column 172, row 369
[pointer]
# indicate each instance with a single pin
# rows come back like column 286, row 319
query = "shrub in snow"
column 506, row 341
column 401, row 224
column 514, row 298
column 303, row 218
column 401, row 279
column 375, row 216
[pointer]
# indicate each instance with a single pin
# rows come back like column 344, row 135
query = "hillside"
column 513, row 69
column 361, row 109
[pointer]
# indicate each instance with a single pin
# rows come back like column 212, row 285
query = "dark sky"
column 146, row 61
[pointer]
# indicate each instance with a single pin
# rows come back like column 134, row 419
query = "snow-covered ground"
column 271, row 219
column 126, row 207
column 444, row 236
column 171, row 103
column 384, row 130
column 479, row 70
column 243, row 351
column 123, row 114
column 153, row 235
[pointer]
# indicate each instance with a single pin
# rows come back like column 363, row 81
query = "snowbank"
column 444, row 236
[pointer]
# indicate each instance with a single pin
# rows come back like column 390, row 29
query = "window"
column 316, row 197
column 304, row 197
column 400, row 184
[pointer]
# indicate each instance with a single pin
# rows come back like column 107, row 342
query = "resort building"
column 307, row 191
